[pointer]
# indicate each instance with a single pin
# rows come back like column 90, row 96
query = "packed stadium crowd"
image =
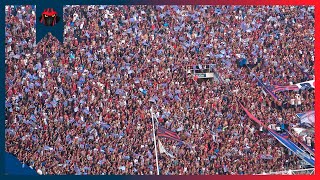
column 83, row 106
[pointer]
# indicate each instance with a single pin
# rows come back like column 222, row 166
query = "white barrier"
column 309, row 171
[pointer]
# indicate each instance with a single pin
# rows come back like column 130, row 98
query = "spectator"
column 83, row 107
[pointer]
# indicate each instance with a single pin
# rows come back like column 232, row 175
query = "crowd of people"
column 83, row 106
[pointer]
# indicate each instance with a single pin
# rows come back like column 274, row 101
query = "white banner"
column 163, row 150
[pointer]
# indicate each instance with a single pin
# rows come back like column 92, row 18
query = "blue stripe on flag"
column 294, row 148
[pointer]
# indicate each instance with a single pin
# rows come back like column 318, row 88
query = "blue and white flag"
column 294, row 148
column 307, row 118
column 295, row 87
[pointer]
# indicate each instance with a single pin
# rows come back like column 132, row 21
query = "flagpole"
column 155, row 141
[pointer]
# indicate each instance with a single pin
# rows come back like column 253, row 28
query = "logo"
column 49, row 17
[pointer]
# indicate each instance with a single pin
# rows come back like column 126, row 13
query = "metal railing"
column 200, row 68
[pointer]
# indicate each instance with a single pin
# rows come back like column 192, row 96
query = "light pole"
column 155, row 141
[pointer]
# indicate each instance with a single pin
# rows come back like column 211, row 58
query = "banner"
column 299, row 131
column 251, row 116
column 163, row 150
column 286, row 142
column 277, row 88
column 294, row 148
column 307, row 118
column 163, row 132
column 285, row 135
column 306, row 84
column 295, row 87
column 266, row 89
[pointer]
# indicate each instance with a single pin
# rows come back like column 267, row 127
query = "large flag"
column 267, row 89
column 286, row 142
column 307, row 118
column 306, row 84
column 277, row 88
column 163, row 150
column 294, row 148
column 298, row 131
column 294, row 87
column 163, row 132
